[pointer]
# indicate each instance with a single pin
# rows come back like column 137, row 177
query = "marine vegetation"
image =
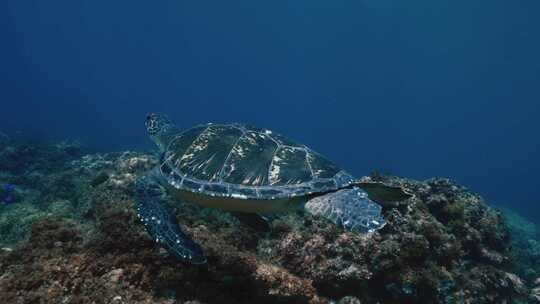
column 73, row 236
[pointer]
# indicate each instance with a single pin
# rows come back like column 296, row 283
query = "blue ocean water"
column 416, row 89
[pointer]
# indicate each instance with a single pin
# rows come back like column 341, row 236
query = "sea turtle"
column 242, row 168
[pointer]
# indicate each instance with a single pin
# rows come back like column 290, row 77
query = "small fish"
column 7, row 196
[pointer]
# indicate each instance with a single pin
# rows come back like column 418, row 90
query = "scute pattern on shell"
column 235, row 160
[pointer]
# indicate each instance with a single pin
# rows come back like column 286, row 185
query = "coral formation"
column 74, row 238
column 525, row 250
column 535, row 292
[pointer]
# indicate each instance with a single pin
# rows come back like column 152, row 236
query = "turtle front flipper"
column 350, row 208
column 161, row 223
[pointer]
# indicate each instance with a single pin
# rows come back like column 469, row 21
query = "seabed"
column 70, row 235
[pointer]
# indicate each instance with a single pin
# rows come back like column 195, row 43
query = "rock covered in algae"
column 79, row 241
column 535, row 291
column 525, row 250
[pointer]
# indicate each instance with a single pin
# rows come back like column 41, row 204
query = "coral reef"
column 73, row 237
column 525, row 250
column 535, row 292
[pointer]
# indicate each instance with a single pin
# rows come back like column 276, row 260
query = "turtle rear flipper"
column 160, row 222
column 350, row 208
column 387, row 196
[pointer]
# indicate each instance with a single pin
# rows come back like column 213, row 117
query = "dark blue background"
column 419, row 89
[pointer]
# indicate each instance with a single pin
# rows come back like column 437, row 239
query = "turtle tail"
column 160, row 221
column 349, row 208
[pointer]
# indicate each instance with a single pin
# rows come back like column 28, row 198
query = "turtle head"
column 158, row 127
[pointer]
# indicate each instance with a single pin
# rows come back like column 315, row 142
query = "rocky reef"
column 72, row 236
column 525, row 252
